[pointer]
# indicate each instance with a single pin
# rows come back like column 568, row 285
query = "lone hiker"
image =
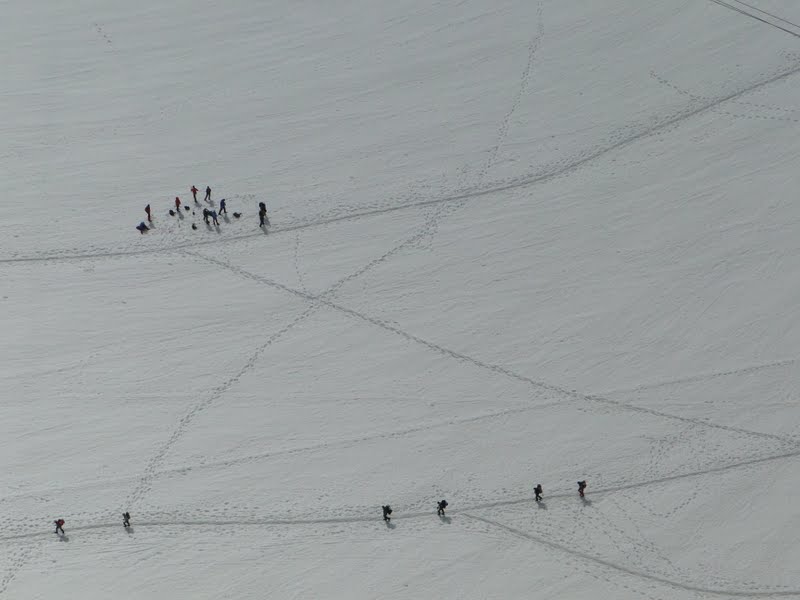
column 581, row 487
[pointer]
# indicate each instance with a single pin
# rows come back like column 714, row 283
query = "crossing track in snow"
column 636, row 573
column 363, row 518
column 705, row 377
column 498, row 369
column 468, row 513
column 558, row 169
column 757, row 14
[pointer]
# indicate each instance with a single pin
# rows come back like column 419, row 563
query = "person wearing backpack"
column 441, row 506
column 581, row 487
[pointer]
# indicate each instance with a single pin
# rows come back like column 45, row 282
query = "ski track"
column 144, row 485
column 446, row 209
column 534, row 45
column 362, row 518
column 705, row 377
column 624, row 138
column 430, row 226
column 542, row 385
column 42, row 495
column 638, row 574
column 152, row 467
column 738, row 8
column 457, row 200
column 24, row 554
column 749, row 115
column 742, row 464
column 316, row 302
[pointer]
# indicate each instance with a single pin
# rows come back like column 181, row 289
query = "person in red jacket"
column 177, row 204
column 59, row 526
column 194, row 191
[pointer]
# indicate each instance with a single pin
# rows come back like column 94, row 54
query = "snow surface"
column 512, row 242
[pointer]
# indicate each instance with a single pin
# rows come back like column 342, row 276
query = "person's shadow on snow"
column 225, row 218
column 389, row 525
column 445, row 519
column 586, row 501
column 208, row 226
column 63, row 538
column 541, row 505
column 129, row 530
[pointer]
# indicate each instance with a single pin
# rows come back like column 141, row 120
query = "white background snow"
column 512, row 242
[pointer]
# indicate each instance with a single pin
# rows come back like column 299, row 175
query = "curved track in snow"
column 557, row 170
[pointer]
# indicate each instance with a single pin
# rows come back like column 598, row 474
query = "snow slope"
column 512, row 242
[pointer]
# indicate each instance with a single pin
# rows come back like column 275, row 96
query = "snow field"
column 512, row 243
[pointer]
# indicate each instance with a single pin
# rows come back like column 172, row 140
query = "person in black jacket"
column 538, row 491
column 441, row 506
column 387, row 511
